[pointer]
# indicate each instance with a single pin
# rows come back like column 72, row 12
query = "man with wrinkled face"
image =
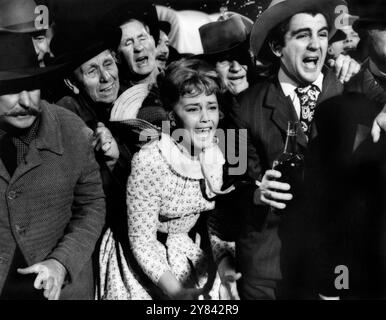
column 137, row 51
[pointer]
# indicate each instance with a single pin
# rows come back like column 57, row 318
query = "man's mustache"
column 26, row 111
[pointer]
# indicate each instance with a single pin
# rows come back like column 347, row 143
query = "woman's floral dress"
column 164, row 196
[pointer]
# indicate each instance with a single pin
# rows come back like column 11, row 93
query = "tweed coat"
column 264, row 111
column 53, row 206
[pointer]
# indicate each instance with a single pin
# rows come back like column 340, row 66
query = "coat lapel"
column 4, row 172
column 283, row 111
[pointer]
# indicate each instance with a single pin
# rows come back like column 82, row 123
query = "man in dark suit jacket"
column 272, row 246
column 52, row 206
column 346, row 183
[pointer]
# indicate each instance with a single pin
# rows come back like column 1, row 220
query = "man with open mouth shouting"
column 273, row 246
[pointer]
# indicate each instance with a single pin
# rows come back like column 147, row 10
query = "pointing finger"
column 32, row 269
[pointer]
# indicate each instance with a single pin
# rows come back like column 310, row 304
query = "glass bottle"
column 291, row 163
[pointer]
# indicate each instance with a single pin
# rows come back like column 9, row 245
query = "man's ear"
column 71, row 86
column 276, row 48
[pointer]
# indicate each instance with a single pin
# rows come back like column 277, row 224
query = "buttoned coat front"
column 53, row 206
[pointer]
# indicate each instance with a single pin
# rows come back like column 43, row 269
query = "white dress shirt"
column 289, row 86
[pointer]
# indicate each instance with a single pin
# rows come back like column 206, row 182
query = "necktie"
column 307, row 97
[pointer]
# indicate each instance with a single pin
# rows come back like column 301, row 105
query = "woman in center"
column 173, row 181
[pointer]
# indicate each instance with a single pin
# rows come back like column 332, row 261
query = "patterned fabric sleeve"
column 144, row 193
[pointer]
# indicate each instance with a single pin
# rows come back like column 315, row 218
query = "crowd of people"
column 132, row 171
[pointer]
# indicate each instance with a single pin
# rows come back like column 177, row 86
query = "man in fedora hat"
column 225, row 45
column 52, row 207
column 272, row 247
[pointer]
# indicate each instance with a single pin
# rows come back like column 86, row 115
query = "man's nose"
column 138, row 46
column 235, row 66
column 314, row 43
column 105, row 75
column 24, row 99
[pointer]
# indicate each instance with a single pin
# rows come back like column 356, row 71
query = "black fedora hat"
column 76, row 42
column 20, row 16
column 280, row 10
column 19, row 67
column 374, row 15
column 226, row 39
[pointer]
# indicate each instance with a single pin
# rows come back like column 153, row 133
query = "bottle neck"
column 291, row 146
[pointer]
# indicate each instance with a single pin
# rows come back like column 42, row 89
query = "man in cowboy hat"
column 52, row 207
column 23, row 16
column 272, row 246
column 93, row 80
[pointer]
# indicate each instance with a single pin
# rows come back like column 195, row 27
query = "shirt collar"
column 375, row 70
column 289, row 86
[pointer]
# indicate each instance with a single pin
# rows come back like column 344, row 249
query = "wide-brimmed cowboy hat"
column 19, row 67
column 280, row 10
column 20, row 16
column 372, row 16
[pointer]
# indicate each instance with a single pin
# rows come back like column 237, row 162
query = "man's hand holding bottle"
column 272, row 192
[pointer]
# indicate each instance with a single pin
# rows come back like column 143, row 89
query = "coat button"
column 3, row 260
column 12, row 195
column 20, row 230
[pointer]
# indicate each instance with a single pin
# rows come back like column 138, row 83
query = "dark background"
column 88, row 9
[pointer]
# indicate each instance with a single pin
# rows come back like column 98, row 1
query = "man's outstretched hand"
column 50, row 277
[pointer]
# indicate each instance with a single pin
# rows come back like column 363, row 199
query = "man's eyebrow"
column 323, row 29
column 89, row 66
column 295, row 32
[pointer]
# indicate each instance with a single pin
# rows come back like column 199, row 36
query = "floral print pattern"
column 159, row 200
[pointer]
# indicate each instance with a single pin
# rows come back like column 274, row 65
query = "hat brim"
column 29, row 78
column 241, row 50
column 278, row 13
column 27, row 27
